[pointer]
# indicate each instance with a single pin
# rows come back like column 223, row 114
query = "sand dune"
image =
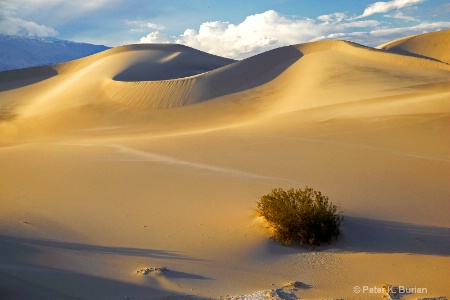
column 432, row 45
column 283, row 80
column 145, row 156
column 162, row 76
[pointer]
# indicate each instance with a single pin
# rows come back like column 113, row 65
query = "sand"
column 148, row 156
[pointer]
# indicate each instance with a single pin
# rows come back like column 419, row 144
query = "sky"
column 230, row 28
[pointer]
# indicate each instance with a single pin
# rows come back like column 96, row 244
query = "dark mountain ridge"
column 17, row 52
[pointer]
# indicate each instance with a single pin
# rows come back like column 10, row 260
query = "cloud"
column 357, row 24
column 382, row 7
column 16, row 26
column 12, row 25
column 53, row 12
column 380, row 36
column 25, row 17
column 399, row 15
column 157, row 37
column 332, row 18
column 141, row 25
column 29, row 7
column 257, row 33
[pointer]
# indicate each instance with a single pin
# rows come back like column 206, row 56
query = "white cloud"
column 157, row 37
column 12, row 25
column 142, row 25
column 16, row 26
column 74, row 7
column 332, row 18
column 380, row 36
column 382, row 7
column 15, row 15
column 91, row 4
column 399, row 15
column 257, row 33
column 61, row 11
column 358, row 24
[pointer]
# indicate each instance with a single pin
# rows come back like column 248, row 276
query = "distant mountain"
column 22, row 52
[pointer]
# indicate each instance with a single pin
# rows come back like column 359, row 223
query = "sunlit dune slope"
column 336, row 72
column 434, row 45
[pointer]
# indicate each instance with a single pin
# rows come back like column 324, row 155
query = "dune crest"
column 432, row 45
column 170, row 76
column 148, row 62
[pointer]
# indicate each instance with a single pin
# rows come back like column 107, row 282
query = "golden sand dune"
column 166, row 76
column 432, row 45
column 110, row 72
column 149, row 156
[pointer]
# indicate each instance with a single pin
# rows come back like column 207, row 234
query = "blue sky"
column 232, row 28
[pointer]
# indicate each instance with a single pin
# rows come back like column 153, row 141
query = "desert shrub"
column 304, row 217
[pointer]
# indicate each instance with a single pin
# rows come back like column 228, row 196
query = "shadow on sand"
column 14, row 79
column 183, row 275
column 379, row 236
column 24, row 273
column 407, row 53
column 33, row 282
column 362, row 235
column 89, row 248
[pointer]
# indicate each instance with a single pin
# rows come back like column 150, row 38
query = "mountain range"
column 17, row 52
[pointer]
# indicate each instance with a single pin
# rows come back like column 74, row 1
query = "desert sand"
column 148, row 156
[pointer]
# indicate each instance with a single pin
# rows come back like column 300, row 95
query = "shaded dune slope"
column 146, row 62
column 14, row 79
column 232, row 78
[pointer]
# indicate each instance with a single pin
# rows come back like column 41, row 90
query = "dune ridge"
column 116, row 76
column 433, row 45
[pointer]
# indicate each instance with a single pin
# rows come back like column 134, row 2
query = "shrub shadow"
column 380, row 236
column 359, row 235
